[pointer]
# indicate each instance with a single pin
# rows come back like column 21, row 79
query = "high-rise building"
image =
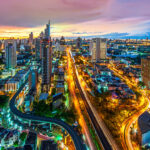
column 11, row 58
column 98, row 49
column 37, row 48
column 145, row 65
column 41, row 38
column 41, row 35
column 62, row 40
column 78, row 42
column 46, row 60
column 33, row 79
column 31, row 38
column 47, row 30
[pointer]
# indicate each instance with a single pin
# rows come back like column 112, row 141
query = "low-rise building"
column 57, row 100
column 48, row 145
column 8, row 137
column 15, row 82
column 145, row 64
column 60, row 87
column 32, row 140
column 144, row 128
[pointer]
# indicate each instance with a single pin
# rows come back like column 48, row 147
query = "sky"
column 74, row 17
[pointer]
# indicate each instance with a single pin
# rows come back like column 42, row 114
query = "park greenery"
column 22, row 139
column 141, row 84
column 42, row 108
column 16, row 143
column 53, row 91
column 113, row 111
column 1, row 61
column 3, row 101
column 23, row 136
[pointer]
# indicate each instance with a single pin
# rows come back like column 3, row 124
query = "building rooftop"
column 43, row 96
column 31, row 138
column 144, row 122
column 48, row 145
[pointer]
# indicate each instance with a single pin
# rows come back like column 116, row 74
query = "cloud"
column 81, row 33
column 74, row 17
column 116, row 34
column 123, row 9
column 30, row 13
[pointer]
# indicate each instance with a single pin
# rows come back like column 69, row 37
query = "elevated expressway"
column 32, row 118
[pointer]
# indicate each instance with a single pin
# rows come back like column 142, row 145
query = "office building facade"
column 98, row 48
column 46, row 60
column 11, row 58
column 145, row 66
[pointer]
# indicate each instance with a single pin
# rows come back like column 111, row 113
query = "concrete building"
column 37, row 48
column 78, row 43
column 62, row 41
column 144, row 128
column 145, row 65
column 46, row 60
column 11, row 137
column 15, row 82
column 48, row 145
column 57, row 100
column 43, row 96
column 98, row 48
column 46, row 65
column 8, row 137
column 41, row 38
column 59, row 48
column 32, row 140
column 27, row 103
column 47, row 30
column 31, row 38
column 11, row 58
column 33, row 79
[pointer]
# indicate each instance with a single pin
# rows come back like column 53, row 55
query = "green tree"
column 63, row 98
column 3, row 101
column 41, row 108
column 53, row 91
column 23, row 136
column 141, row 84
column 16, row 144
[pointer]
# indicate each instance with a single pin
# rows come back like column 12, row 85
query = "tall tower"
column 98, row 49
column 37, row 48
column 11, row 58
column 41, row 38
column 31, row 38
column 46, row 60
column 47, row 30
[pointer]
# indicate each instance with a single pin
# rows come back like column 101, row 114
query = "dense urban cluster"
column 74, row 93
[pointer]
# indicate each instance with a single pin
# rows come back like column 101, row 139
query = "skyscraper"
column 41, row 38
column 62, row 41
column 37, row 48
column 78, row 42
column 46, row 60
column 47, row 30
column 11, row 58
column 33, row 79
column 98, row 49
column 31, row 38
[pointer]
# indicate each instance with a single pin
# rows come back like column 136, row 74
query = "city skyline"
column 75, row 18
column 74, row 75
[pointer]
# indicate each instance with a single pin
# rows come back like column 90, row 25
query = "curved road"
column 143, row 106
column 76, row 139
